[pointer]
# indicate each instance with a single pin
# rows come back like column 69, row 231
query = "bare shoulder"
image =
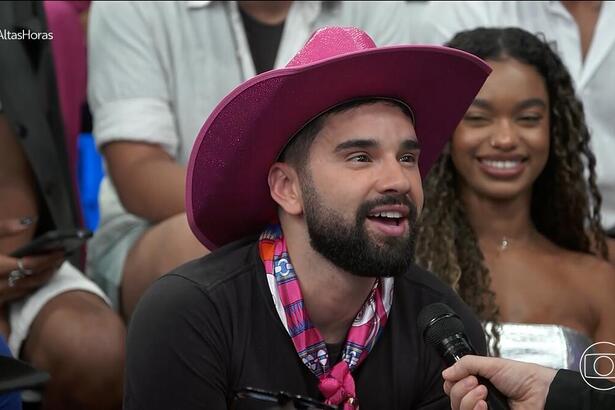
column 592, row 275
column 596, row 285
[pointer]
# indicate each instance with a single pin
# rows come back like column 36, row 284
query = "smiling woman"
column 502, row 144
column 511, row 213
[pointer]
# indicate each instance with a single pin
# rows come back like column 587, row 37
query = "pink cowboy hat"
column 227, row 195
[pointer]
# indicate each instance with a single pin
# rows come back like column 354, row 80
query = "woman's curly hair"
column 565, row 204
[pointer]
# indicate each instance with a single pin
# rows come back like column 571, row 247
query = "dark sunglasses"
column 284, row 400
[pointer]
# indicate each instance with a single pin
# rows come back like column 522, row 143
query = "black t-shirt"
column 264, row 41
column 211, row 327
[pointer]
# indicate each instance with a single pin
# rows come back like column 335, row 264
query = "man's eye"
column 410, row 158
column 359, row 158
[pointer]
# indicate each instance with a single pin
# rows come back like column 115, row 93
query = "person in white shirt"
column 156, row 70
column 584, row 36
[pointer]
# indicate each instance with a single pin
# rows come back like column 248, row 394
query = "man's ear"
column 284, row 188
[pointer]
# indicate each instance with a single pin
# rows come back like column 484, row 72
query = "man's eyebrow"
column 357, row 143
column 410, row 145
column 532, row 102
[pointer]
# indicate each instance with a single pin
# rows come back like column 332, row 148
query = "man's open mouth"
column 387, row 217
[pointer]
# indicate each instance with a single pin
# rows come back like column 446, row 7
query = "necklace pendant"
column 504, row 244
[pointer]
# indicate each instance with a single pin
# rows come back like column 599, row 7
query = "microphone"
column 442, row 328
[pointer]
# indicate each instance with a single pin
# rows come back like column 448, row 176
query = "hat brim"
column 227, row 195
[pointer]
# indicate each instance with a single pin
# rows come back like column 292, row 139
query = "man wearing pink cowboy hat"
column 307, row 182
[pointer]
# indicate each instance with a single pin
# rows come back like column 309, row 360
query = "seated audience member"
column 510, row 218
column 584, row 38
column 50, row 313
column 324, row 303
column 156, row 69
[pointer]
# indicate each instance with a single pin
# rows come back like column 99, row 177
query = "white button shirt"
column 594, row 78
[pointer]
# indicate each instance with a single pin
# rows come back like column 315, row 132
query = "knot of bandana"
column 338, row 387
column 336, row 381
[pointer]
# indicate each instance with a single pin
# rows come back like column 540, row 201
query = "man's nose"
column 394, row 177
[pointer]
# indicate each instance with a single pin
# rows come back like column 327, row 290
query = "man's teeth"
column 387, row 215
column 501, row 164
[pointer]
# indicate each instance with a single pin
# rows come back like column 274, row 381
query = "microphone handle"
column 495, row 399
column 453, row 349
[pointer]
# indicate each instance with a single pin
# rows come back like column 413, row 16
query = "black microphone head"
column 443, row 329
column 437, row 322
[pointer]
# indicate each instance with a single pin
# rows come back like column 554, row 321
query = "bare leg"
column 79, row 340
column 162, row 248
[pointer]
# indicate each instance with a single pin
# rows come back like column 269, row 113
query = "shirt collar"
column 556, row 7
column 197, row 4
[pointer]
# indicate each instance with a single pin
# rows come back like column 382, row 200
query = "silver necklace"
column 504, row 244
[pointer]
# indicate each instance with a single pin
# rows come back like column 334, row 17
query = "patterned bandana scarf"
column 335, row 383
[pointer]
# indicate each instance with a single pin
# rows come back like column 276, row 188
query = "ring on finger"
column 22, row 269
column 14, row 276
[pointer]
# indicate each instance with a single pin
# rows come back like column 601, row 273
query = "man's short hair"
column 297, row 151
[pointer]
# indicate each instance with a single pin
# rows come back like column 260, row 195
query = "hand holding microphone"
column 442, row 328
column 525, row 384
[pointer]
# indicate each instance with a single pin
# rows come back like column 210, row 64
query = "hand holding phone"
column 67, row 241
column 34, row 264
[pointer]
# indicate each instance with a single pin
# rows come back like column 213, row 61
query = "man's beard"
column 349, row 246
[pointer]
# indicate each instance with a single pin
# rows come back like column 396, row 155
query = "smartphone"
column 67, row 240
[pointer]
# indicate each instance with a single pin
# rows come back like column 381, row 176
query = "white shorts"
column 23, row 312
